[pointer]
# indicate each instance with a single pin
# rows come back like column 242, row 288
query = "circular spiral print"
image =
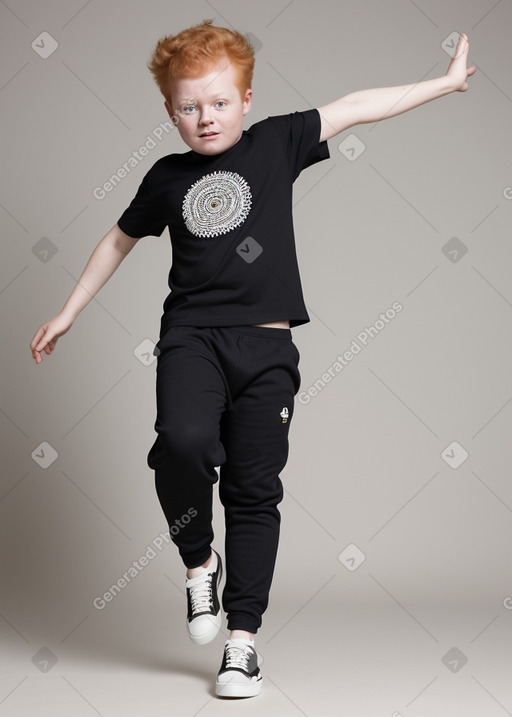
column 216, row 204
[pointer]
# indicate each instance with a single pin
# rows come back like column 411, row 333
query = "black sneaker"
column 203, row 607
column 239, row 674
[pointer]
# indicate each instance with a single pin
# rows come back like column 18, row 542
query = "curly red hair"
column 192, row 51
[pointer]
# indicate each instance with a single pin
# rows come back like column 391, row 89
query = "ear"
column 247, row 103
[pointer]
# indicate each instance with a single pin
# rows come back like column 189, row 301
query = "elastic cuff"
column 197, row 561
column 243, row 622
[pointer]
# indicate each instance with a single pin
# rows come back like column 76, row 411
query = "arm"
column 384, row 102
column 102, row 263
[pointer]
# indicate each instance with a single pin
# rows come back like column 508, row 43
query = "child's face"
column 210, row 103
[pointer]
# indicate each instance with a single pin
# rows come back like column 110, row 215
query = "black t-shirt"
column 230, row 221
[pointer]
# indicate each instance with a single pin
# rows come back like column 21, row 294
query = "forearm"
column 102, row 263
column 383, row 102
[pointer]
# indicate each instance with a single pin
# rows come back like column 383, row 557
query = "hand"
column 457, row 71
column 47, row 334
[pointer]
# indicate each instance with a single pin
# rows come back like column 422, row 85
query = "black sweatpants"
column 224, row 406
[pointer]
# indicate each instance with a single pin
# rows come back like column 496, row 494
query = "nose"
column 205, row 116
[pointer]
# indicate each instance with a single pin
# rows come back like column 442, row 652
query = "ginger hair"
column 193, row 51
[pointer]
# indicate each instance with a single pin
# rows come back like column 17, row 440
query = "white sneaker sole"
column 235, row 689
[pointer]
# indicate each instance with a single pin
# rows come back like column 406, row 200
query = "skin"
column 211, row 102
column 381, row 103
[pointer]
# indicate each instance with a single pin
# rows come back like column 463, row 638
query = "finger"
column 44, row 342
column 40, row 338
column 36, row 338
column 462, row 45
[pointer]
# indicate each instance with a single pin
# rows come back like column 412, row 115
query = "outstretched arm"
column 102, row 263
column 384, row 102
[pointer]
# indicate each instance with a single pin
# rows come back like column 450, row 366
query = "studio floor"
column 329, row 658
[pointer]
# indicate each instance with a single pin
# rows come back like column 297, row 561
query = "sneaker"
column 239, row 674
column 203, row 607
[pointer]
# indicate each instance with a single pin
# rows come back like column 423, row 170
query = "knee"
column 192, row 444
column 259, row 494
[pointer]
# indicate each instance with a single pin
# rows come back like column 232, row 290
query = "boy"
column 227, row 369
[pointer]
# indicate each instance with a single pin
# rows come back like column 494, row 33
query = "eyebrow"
column 189, row 99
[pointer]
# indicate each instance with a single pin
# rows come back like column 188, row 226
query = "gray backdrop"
column 398, row 499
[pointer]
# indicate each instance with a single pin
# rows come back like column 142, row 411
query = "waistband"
column 270, row 332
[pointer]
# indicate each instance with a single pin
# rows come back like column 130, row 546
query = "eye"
column 187, row 107
column 221, row 102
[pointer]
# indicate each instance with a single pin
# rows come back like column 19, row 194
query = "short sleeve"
column 143, row 216
column 299, row 133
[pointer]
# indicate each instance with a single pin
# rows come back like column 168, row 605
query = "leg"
column 255, row 436
column 191, row 398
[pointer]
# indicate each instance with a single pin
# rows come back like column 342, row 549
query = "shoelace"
column 201, row 595
column 237, row 656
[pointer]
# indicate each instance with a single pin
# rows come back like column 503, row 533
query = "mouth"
column 209, row 134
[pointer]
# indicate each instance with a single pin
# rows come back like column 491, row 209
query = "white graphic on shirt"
column 284, row 414
column 216, row 204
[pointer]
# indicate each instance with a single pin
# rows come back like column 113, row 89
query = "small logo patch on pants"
column 284, row 414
